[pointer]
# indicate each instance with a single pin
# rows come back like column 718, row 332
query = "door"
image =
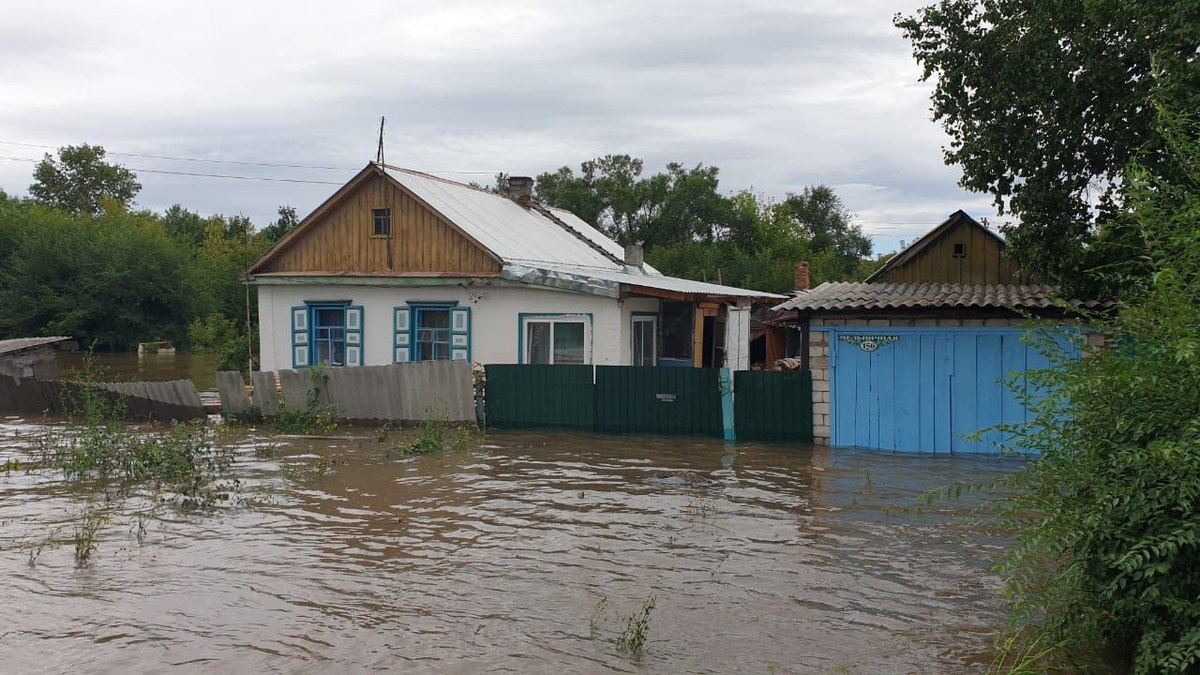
column 927, row 390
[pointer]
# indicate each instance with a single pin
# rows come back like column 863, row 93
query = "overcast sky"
column 778, row 94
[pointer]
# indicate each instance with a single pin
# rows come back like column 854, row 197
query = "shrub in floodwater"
column 632, row 639
column 598, row 613
column 434, row 435
column 314, row 417
column 1108, row 511
column 86, row 531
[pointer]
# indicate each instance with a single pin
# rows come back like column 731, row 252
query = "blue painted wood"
column 942, row 363
column 911, row 390
column 886, row 390
column 931, row 388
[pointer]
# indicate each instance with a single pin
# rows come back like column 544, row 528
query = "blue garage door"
column 924, row 390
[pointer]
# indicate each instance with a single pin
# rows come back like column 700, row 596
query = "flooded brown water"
column 764, row 559
column 128, row 366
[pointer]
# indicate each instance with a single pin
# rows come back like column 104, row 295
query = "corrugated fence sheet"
column 144, row 401
column 400, row 392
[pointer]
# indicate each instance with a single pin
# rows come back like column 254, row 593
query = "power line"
column 199, row 175
column 175, row 158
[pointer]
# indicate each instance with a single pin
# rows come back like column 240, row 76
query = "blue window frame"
column 431, row 333
column 327, row 333
column 328, row 336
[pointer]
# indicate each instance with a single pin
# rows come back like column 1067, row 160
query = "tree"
column 81, row 182
column 1108, row 530
column 823, row 220
column 1046, row 102
column 286, row 222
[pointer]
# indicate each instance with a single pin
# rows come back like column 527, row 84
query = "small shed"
column 33, row 357
column 918, row 365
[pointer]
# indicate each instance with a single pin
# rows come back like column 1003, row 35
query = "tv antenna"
column 379, row 153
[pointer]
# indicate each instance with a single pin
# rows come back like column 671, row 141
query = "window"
column 381, row 222
column 329, row 336
column 431, row 333
column 563, row 339
column 960, row 249
column 645, row 340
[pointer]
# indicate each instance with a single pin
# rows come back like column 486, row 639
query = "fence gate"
column 658, row 400
column 773, row 406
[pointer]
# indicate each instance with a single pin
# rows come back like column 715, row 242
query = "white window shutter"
column 460, row 334
column 300, row 337
column 354, row 335
column 401, row 329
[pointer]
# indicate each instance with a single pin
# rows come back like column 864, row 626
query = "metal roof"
column 20, row 344
column 840, row 296
column 609, row 282
column 513, row 233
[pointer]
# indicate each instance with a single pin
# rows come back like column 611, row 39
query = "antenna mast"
column 379, row 153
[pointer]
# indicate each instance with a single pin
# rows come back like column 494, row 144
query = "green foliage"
column 80, row 182
column 286, row 222
column 315, row 417
column 433, row 436
column 1046, row 103
column 99, row 447
column 116, row 280
column 691, row 230
column 1109, row 554
column 632, row 639
column 217, row 334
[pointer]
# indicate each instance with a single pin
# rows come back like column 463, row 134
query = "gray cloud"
column 777, row 94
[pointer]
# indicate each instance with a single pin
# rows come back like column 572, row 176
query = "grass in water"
column 86, row 532
column 632, row 639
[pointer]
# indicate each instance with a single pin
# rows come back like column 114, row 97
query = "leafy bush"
column 1110, row 552
column 315, row 417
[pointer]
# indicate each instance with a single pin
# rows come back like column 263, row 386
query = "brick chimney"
column 802, row 279
column 520, row 190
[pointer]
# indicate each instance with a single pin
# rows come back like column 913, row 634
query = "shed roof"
column 8, row 347
column 844, row 296
column 912, row 250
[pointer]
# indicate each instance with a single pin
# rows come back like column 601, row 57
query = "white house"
column 399, row 265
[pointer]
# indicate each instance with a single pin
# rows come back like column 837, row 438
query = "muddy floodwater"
column 526, row 555
column 132, row 367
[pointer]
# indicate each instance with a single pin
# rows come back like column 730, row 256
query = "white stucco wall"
column 494, row 318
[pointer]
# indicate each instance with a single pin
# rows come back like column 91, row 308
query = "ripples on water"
column 765, row 559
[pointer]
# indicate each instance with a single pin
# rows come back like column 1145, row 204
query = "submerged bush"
column 1109, row 554
column 315, row 417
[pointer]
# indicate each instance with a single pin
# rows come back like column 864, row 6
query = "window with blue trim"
column 329, row 336
column 431, row 333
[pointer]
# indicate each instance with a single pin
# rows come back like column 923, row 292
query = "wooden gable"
column 338, row 238
column 959, row 251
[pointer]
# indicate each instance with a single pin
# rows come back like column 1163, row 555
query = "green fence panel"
column 773, row 406
column 649, row 400
column 540, row 397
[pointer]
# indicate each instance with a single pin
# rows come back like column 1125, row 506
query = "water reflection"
column 128, row 366
column 762, row 559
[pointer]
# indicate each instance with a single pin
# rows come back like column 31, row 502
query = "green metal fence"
column 773, row 406
column 768, row 406
column 538, row 397
column 649, row 400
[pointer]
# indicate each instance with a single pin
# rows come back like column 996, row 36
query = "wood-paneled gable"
column 934, row 261
column 339, row 240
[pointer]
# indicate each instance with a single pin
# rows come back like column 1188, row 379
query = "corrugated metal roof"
column 856, row 296
column 19, row 344
column 513, row 233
